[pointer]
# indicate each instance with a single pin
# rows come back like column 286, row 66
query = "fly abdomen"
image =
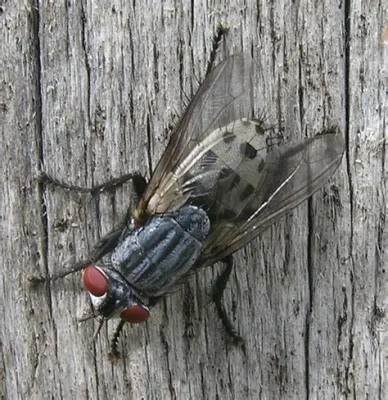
column 156, row 256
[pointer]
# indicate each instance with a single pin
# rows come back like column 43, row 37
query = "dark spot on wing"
column 219, row 212
column 236, row 180
column 247, row 192
column 228, row 214
column 247, row 150
column 228, row 137
column 259, row 129
column 225, row 172
column 226, row 179
column 209, row 159
column 261, row 165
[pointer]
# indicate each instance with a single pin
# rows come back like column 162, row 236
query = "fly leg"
column 138, row 182
column 108, row 242
column 218, row 291
column 221, row 31
column 100, row 249
column 114, row 354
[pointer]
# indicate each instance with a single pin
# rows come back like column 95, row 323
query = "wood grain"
column 88, row 91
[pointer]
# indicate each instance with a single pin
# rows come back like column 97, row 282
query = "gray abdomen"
column 159, row 254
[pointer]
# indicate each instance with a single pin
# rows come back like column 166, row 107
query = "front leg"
column 110, row 240
column 103, row 247
column 114, row 354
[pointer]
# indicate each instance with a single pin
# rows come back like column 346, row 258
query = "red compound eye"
column 95, row 281
column 135, row 314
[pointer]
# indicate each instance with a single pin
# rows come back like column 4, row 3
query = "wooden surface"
column 88, row 91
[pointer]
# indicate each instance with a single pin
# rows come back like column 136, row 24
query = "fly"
column 221, row 181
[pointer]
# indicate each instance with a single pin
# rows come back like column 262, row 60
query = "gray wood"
column 88, row 90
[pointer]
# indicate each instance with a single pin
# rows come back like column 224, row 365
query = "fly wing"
column 290, row 175
column 224, row 96
column 222, row 160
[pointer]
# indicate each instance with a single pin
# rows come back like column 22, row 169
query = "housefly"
column 221, row 181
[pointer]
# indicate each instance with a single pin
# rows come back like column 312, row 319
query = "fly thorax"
column 163, row 251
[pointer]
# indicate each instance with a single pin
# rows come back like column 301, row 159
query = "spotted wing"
column 289, row 174
column 225, row 96
column 225, row 162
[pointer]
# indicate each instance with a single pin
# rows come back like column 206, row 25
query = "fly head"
column 112, row 295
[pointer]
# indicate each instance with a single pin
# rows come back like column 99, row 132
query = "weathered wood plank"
column 89, row 90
